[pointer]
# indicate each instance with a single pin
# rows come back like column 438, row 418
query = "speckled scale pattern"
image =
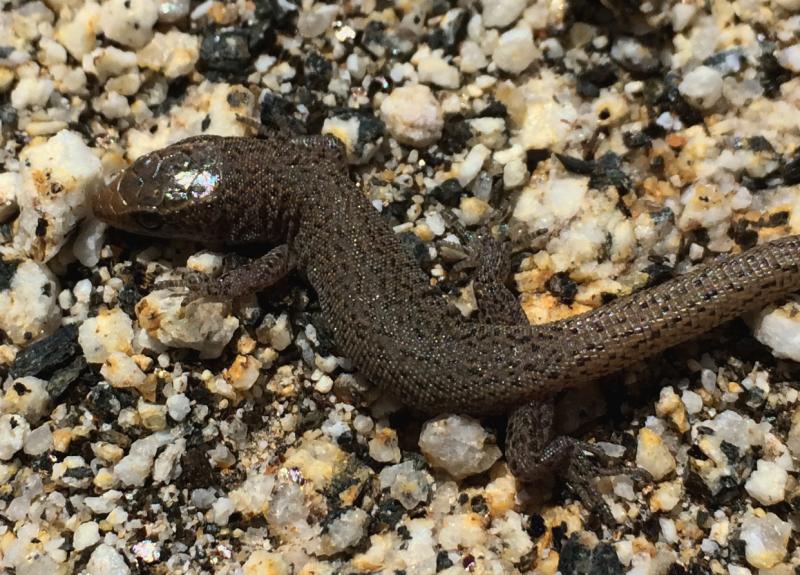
column 386, row 317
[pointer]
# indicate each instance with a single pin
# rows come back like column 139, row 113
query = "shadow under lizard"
column 294, row 194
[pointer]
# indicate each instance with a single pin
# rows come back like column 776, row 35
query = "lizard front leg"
column 251, row 277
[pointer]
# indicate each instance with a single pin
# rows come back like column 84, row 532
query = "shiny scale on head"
column 158, row 191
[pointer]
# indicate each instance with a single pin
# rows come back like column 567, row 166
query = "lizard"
column 294, row 195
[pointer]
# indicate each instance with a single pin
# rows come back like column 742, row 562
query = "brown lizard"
column 294, row 194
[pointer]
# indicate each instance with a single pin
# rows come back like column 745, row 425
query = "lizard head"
column 173, row 192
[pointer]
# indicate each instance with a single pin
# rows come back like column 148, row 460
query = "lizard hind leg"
column 535, row 454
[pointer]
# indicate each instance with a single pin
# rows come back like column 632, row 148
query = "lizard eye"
column 149, row 221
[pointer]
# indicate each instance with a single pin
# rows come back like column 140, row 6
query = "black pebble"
column 448, row 193
column 577, row 559
column 455, row 135
column 561, row 286
column 317, row 71
column 226, row 52
column 449, row 35
column 41, row 357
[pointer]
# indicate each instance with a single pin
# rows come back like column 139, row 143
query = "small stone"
column 39, row 440
column 153, row 417
column 692, row 402
column 501, row 13
column 243, row 372
column 178, row 406
column 345, row 531
column 9, row 183
column 28, row 397
column 129, row 22
column 174, row 54
column 172, row 11
column 205, row 326
column 653, row 455
column 383, row 446
column 79, row 34
column 167, row 465
column 253, row 497
column 634, row 56
column 435, row 70
column 226, row 52
column 702, row 86
column 86, row 535
column 314, row 22
column 134, row 468
column 222, row 510
column 779, row 329
column 666, row 496
column 515, row 50
column 276, row 332
column 28, row 306
column 463, row 530
column 472, row 164
column 766, row 538
column 793, row 439
column 789, row 58
column 767, row 484
column 121, row 371
column 413, row 115
column 109, row 332
column 13, row 431
column 473, row 211
column 459, row 445
column 72, row 472
column 262, row 562
column 682, row 14
column 105, row 560
column 58, row 176
column 407, row 484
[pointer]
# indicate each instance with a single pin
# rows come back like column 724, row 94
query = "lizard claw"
column 193, row 286
column 589, row 462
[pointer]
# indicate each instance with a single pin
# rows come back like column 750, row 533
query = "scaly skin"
column 386, row 318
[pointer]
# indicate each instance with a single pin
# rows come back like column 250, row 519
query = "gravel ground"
column 616, row 145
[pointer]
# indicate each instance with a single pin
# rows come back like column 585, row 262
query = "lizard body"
column 294, row 193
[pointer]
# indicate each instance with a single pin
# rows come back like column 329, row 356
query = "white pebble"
column 413, row 115
column 789, row 58
column 473, row 163
column 515, row 50
column 86, row 535
column 178, row 406
column 692, row 402
column 222, row 510
column 459, row 445
column 766, row 539
column 314, row 22
column 39, row 441
column 767, row 484
column 779, row 329
column 13, row 431
column 653, row 455
column 702, row 86
column 105, row 560
column 31, row 93
column 434, row 70
column 501, row 13
column 129, row 22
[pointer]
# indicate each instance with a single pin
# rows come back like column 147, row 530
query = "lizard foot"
column 588, row 462
column 236, row 280
column 534, row 455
